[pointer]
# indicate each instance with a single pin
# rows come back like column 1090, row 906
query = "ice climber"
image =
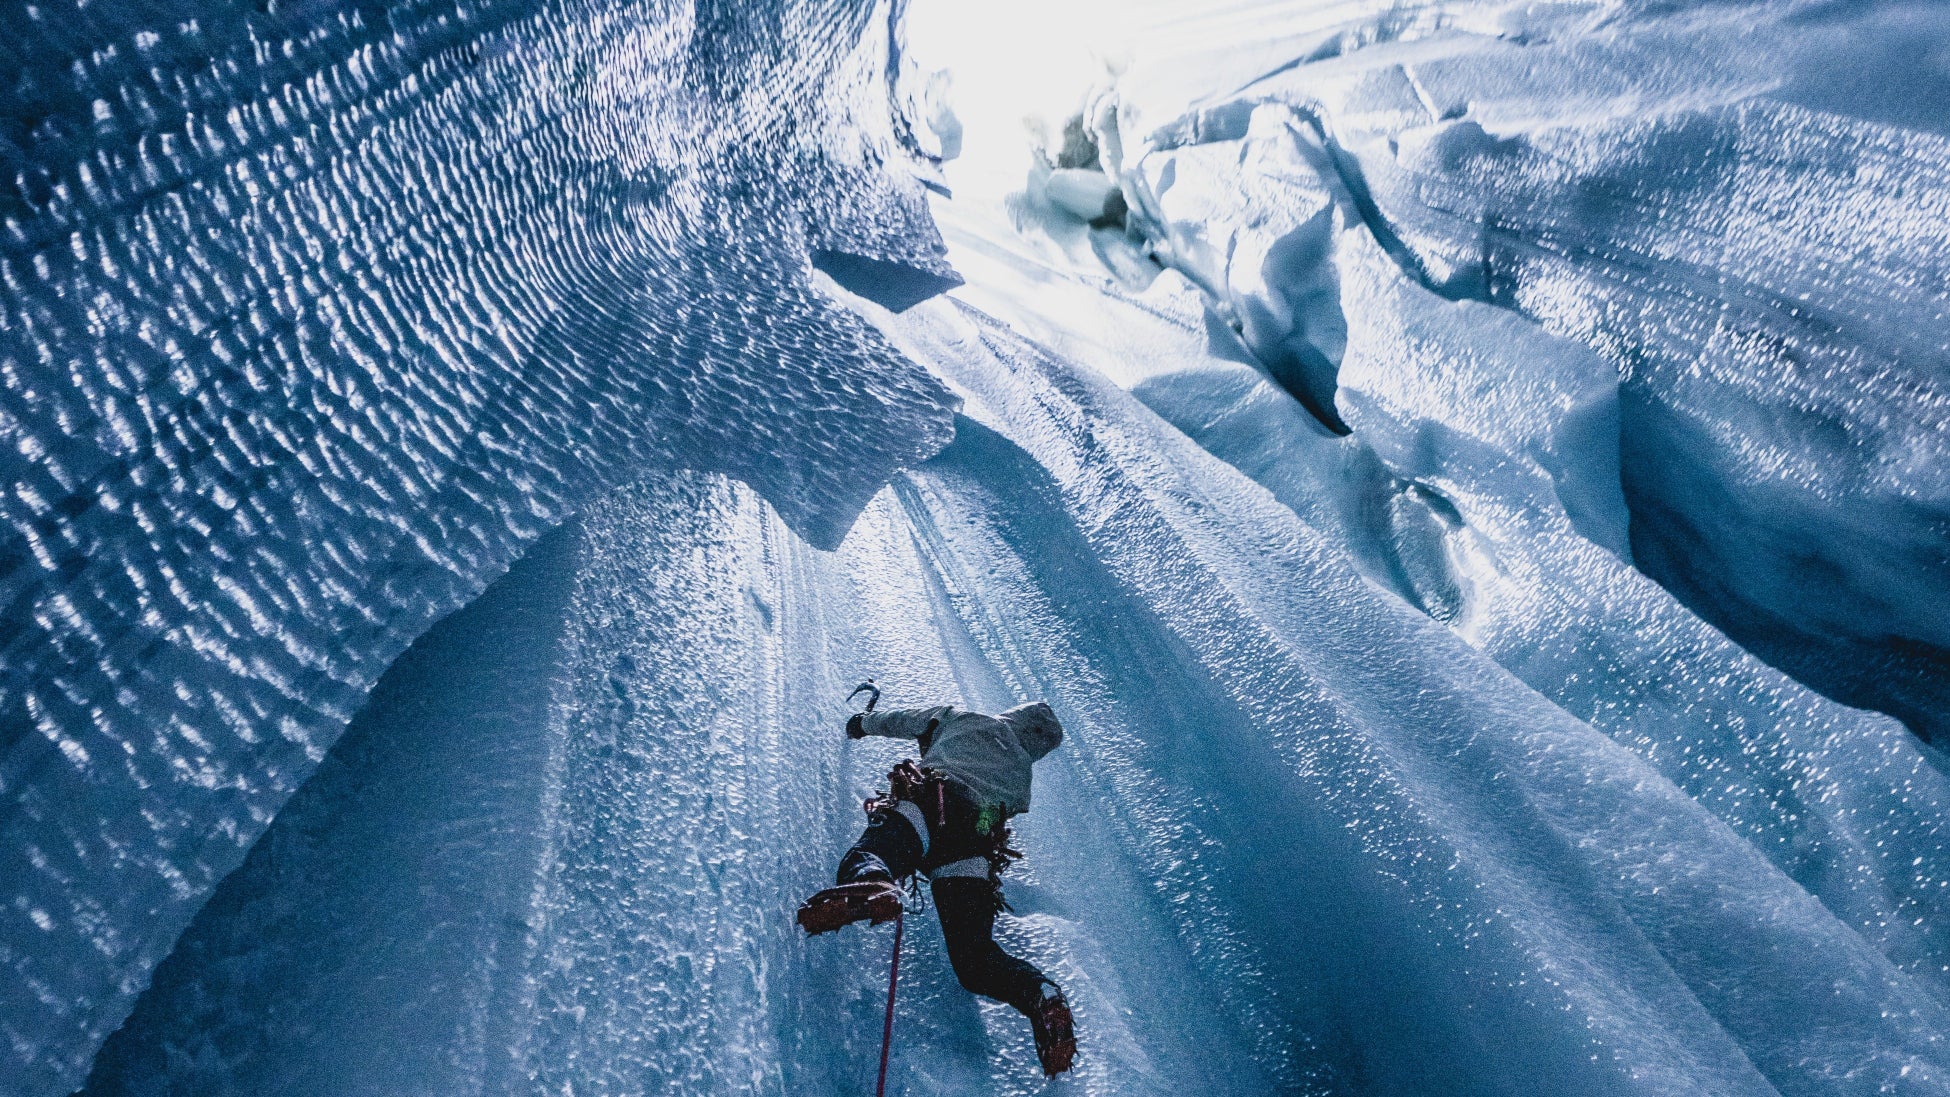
column 947, row 817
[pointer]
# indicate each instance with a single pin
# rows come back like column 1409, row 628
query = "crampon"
column 828, row 910
column 1056, row 1039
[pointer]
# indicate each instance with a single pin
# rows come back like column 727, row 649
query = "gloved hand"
column 856, row 726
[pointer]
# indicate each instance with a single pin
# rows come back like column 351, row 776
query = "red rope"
column 887, row 1030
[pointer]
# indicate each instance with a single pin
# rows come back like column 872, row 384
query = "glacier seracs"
column 1434, row 457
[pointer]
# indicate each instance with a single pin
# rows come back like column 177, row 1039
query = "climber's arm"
column 900, row 723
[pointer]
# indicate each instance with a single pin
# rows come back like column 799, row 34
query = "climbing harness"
column 922, row 797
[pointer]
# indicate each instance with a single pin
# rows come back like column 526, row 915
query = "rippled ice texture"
column 315, row 313
column 1302, row 837
column 1398, row 559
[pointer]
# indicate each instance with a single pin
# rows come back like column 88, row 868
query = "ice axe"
column 867, row 687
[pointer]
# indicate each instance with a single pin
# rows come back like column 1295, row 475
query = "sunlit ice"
column 1017, row 71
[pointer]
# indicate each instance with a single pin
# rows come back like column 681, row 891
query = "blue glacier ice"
column 1473, row 479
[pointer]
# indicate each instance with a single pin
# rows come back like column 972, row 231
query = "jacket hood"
column 1035, row 726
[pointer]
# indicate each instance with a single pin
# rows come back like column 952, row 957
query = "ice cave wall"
column 314, row 316
column 1302, row 836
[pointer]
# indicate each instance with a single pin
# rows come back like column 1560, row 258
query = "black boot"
column 1056, row 1038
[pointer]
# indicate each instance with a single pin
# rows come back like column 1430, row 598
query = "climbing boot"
column 828, row 910
column 1056, row 1039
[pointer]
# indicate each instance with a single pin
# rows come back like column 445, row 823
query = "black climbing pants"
column 967, row 905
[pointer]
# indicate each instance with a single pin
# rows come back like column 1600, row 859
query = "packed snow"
column 1451, row 467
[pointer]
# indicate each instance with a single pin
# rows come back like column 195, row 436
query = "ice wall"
column 314, row 315
column 1302, row 837
column 1409, row 499
column 597, row 898
column 1738, row 208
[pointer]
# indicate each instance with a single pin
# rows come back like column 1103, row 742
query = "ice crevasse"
column 1471, row 478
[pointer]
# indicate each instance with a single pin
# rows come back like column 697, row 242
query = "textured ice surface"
column 1752, row 238
column 601, row 901
column 1398, row 559
column 314, row 314
column 1301, row 835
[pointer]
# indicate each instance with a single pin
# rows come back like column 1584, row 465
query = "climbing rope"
column 893, row 981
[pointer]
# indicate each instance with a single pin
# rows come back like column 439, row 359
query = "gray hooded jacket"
column 991, row 755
